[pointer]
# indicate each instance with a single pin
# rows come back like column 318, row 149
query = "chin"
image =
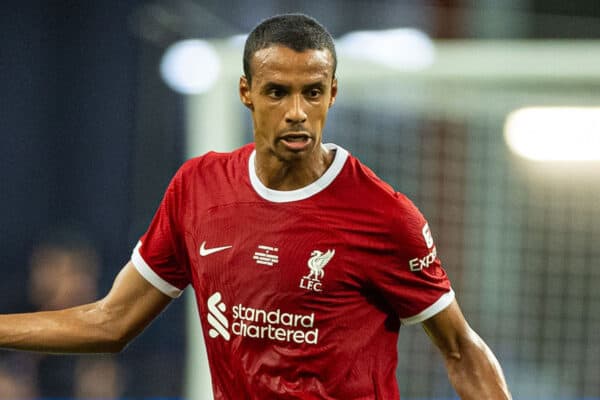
column 287, row 154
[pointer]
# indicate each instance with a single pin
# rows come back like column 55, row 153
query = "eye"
column 275, row 93
column 314, row 93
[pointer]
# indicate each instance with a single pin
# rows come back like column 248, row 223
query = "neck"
column 278, row 174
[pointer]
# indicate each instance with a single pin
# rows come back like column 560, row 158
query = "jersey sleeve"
column 160, row 254
column 414, row 282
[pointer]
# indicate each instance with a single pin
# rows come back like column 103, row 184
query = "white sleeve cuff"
column 444, row 301
column 148, row 273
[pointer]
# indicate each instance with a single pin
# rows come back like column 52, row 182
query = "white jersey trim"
column 148, row 273
column 444, row 301
column 283, row 196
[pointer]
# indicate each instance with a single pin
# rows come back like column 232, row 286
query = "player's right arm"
column 104, row 326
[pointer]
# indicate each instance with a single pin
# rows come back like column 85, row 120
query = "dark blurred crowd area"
column 63, row 270
column 74, row 197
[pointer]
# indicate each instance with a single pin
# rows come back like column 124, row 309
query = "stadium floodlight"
column 554, row 133
column 190, row 66
column 405, row 49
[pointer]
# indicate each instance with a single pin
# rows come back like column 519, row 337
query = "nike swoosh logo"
column 206, row 252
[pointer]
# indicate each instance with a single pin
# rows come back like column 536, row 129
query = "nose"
column 295, row 113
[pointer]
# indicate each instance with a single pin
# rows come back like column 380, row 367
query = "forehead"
column 282, row 63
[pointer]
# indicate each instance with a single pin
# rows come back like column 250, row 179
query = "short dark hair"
column 299, row 32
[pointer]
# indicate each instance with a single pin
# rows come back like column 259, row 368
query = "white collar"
column 284, row 196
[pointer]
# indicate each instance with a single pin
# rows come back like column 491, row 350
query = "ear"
column 245, row 92
column 334, row 90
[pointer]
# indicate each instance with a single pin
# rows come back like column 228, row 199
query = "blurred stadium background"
column 92, row 132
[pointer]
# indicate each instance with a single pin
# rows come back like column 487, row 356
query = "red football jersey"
column 301, row 293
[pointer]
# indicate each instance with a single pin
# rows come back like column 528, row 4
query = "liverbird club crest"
column 316, row 265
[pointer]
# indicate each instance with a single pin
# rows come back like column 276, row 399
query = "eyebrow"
column 274, row 85
column 316, row 85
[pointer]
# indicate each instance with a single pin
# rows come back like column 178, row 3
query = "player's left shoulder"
column 366, row 182
column 385, row 192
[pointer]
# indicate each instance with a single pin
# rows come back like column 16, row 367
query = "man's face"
column 289, row 97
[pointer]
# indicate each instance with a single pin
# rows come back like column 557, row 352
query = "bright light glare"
column 238, row 40
column 554, row 133
column 402, row 49
column 190, row 66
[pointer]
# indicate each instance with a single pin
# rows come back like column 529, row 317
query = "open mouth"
column 296, row 141
column 293, row 137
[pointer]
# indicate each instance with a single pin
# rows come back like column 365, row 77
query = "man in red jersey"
column 303, row 262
